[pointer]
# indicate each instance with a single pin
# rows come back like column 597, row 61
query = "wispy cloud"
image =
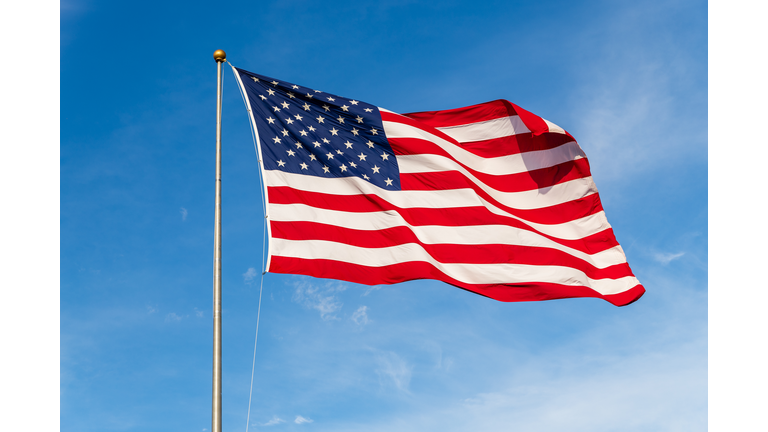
column 372, row 289
column 250, row 275
column 299, row 420
column 151, row 310
column 666, row 258
column 360, row 317
column 172, row 317
column 275, row 420
column 319, row 297
column 392, row 369
column 198, row 313
column 184, row 213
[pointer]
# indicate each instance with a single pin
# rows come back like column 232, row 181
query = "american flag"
column 489, row 198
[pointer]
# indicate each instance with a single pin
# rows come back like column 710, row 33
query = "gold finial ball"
column 219, row 56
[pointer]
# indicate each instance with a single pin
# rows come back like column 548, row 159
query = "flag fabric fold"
column 489, row 198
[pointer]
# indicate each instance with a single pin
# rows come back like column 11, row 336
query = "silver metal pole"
column 220, row 56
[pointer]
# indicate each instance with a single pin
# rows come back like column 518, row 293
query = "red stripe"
column 466, row 115
column 459, row 216
column 445, row 253
column 415, row 146
column 519, row 182
column 555, row 214
column 515, row 144
column 402, row 272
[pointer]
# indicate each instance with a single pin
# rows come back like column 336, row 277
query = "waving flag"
column 489, row 198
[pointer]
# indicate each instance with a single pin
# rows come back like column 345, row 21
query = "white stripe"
column 523, row 200
column 453, row 198
column 553, row 127
column 517, row 163
column 466, row 273
column 501, row 165
column 435, row 234
column 465, row 197
column 544, row 197
column 486, row 130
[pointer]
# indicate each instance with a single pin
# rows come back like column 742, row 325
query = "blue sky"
column 137, row 131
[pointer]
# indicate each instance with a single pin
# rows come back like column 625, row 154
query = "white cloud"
column 250, row 275
column 393, row 369
column 172, row 317
column 319, row 297
column 360, row 317
column 151, row 310
column 372, row 289
column 184, row 213
column 275, row 420
column 198, row 313
column 300, row 420
column 666, row 258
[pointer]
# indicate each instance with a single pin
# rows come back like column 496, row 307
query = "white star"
column 348, row 144
column 374, row 131
column 362, row 156
column 295, row 87
column 271, row 120
column 327, row 108
column 368, row 110
column 343, row 167
column 317, row 144
column 312, row 156
column 334, row 131
column 275, row 83
column 291, row 152
column 285, row 104
column 339, row 152
column 298, row 145
column 285, row 132
column 355, row 132
column 281, row 163
column 306, row 106
column 376, row 169
column 276, row 109
column 311, row 128
column 366, row 177
column 359, row 119
column 263, row 97
column 329, row 155
column 353, row 102
column 303, row 132
column 325, row 169
column 298, row 117
column 271, row 92
column 303, row 165
column 370, row 144
column 320, row 119
column 291, row 95
column 384, row 156
column 389, row 182
column 255, row 79
column 325, row 140
column 331, row 99
column 277, row 140
column 289, row 120
column 353, row 165
column 345, row 107
column 341, row 119
column 309, row 95
column 317, row 91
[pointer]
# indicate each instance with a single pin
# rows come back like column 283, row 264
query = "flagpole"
column 220, row 56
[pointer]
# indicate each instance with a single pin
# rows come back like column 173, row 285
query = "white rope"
column 253, row 365
column 263, row 251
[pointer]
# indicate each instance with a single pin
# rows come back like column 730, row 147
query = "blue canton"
column 310, row 132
